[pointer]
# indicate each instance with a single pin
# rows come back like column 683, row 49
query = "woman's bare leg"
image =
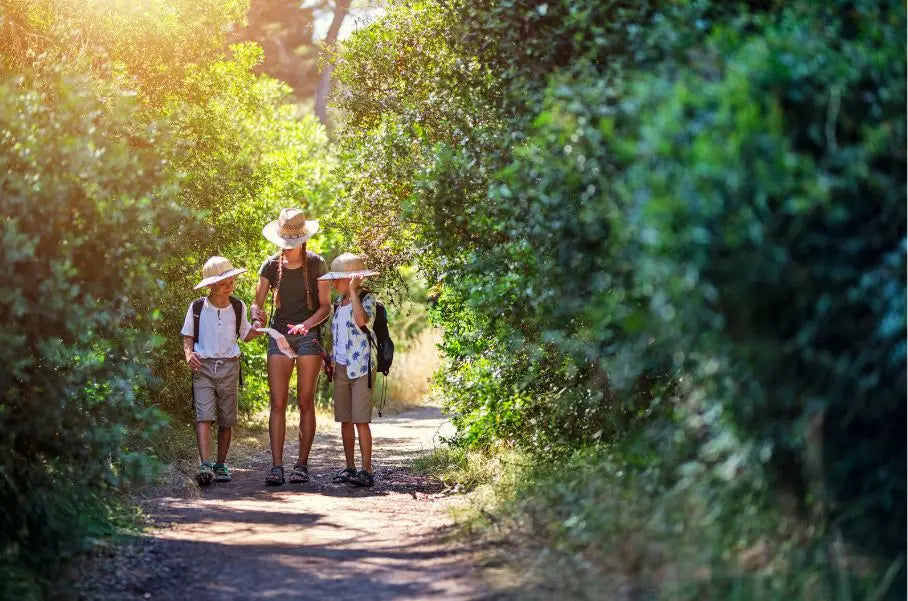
column 307, row 370
column 279, row 370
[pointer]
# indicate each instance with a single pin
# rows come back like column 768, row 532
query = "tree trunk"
column 323, row 90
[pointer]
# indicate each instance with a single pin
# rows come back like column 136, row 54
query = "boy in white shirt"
column 210, row 332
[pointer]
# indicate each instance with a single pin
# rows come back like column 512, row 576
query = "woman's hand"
column 257, row 314
column 355, row 281
column 297, row 329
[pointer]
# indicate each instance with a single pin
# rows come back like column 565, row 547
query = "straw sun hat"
column 217, row 269
column 347, row 265
column 290, row 229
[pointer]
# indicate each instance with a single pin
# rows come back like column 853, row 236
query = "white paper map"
column 281, row 340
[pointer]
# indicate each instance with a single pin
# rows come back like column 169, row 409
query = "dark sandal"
column 344, row 475
column 362, row 478
column 276, row 476
column 221, row 473
column 300, row 474
column 205, row 474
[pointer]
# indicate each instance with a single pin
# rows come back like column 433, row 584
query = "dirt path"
column 242, row 541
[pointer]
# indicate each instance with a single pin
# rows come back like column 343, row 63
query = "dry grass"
column 410, row 380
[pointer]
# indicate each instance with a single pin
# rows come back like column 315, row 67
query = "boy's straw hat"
column 347, row 265
column 217, row 269
column 290, row 229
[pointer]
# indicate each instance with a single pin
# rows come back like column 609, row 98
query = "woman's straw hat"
column 290, row 229
column 217, row 269
column 347, row 265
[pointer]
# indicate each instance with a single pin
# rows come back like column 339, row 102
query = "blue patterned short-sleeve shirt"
column 357, row 352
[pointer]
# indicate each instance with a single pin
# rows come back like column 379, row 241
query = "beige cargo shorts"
column 352, row 398
column 215, row 387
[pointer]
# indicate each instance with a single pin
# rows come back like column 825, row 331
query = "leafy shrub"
column 86, row 210
column 626, row 203
column 781, row 253
column 133, row 147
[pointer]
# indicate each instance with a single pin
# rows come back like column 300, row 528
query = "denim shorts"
column 303, row 344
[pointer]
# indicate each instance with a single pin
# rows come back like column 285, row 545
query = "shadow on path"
column 243, row 540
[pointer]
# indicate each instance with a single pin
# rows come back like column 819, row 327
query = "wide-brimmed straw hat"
column 290, row 229
column 217, row 269
column 347, row 265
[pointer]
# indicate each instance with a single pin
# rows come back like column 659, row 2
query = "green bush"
column 134, row 144
column 648, row 216
column 238, row 147
column 773, row 207
column 85, row 211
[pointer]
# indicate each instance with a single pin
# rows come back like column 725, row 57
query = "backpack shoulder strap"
column 237, row 305
column 362, row 296
column 197, row 306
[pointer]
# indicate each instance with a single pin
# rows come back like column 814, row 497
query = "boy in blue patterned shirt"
column 354, row 364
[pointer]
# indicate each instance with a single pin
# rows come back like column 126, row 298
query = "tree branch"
column 323, row 90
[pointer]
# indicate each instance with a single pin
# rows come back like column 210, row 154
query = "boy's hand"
column 253, row 333
column 194, row 361
column 297, row 329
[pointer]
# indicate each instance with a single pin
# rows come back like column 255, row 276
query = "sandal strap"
column 363, row 477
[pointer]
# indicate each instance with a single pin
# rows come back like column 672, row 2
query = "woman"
column 300, row 302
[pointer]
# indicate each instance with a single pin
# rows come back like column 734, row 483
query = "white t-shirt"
column 342, row 342
column 217, row 330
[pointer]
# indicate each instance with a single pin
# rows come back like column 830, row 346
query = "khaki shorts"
column 352, row 398
column 215, row 387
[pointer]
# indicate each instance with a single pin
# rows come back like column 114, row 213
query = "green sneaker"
column 221, row 473
column 205, row 474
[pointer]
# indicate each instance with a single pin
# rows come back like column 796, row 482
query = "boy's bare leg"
column 279, row 370
column 348, row 434
column 224, row 435
column 365, row 445
column 203, row 436
column 308, row 367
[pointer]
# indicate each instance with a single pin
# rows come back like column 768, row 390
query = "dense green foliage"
column 666, row 239
column 674, row 229
column 134, row 144
column 73, row 343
